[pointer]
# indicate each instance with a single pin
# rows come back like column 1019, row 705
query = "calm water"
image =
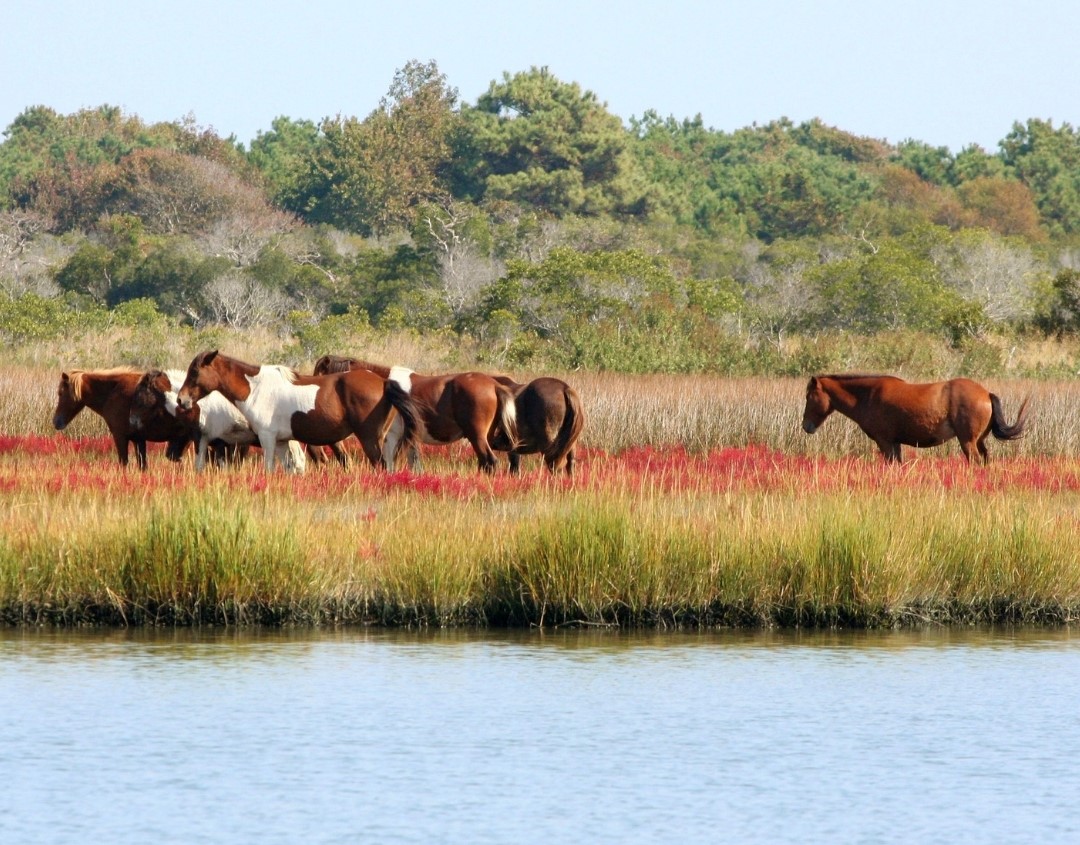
column 597, row 737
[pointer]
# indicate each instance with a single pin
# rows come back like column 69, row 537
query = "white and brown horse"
column 549, row 423
column 221, row 426
column 109, row 394
column 281, row 405
column 470, row 405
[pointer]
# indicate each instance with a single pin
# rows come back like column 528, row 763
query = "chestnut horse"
column 109, row 393
column 894, row 413
column 281, row 405
column 470, row 405
column 549, row 422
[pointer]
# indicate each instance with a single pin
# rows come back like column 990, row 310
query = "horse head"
column 202, row 378
column 149, row 398
column 69, row 399
column 818, row 406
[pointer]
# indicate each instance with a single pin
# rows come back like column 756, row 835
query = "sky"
column 949, row 73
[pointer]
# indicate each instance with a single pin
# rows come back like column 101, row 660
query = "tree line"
column 534, row 222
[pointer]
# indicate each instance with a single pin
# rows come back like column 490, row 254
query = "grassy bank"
column 645, row 536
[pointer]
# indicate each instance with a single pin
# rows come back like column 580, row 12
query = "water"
column 130, row 737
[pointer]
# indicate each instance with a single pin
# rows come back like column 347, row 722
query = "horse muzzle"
column 135, row 421
column 59, row 422
column 809, row 426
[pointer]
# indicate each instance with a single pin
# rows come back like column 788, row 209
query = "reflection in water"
column 354, row 735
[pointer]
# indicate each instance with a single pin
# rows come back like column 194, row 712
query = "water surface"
column 136, row 737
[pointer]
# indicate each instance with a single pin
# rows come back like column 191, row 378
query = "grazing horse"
column 219, row 421
column 549, row 422
column 894, row 413
column 470, row 405
column 109, row 393
column 282, row 405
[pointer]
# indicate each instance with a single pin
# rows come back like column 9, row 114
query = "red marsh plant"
column 80, row 464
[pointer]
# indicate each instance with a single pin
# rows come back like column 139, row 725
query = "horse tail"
column 572, row 424
column 507, row 412
column 403, row 402
column 1002, row 430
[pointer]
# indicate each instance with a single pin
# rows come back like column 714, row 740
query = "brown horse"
column 109, row 393
column 470, row 405
column 549, row 422
column 894, row 413
column 282, row 405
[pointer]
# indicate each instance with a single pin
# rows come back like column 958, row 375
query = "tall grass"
column 742, row 537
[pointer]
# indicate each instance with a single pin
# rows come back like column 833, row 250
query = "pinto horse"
column 894, row 413
column 549, row 422
column 222, row 429
column 109, row 394
column 281, row 405
column 470, row 405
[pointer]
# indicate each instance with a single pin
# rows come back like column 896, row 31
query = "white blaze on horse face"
column 274, row 398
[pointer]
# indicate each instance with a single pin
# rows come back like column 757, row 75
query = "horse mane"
column 287, row 373
column 77, row 377
column 342, row 364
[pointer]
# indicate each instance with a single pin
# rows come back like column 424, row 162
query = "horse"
column 470, row 405
column 109, row 393
column 282, row 405
column 549, row 422
column 894, row 413
column 219, row 422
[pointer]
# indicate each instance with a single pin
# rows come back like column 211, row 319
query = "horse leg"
column 121, row 443
column 269, row 445
column 485, row 458
column 339, row 455
column 891, row 451
column 394, row 433
column 570, row 463
column 140, row 452
column 515, row 462
column 553, row 463
column 376, row 456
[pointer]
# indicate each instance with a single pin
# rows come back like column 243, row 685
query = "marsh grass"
column 648, row 538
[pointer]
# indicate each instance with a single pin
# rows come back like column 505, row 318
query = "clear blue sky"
column 947, row 72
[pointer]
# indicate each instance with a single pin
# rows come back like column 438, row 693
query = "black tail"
column 1002, row 430
column 405, row 405
column 569, row 431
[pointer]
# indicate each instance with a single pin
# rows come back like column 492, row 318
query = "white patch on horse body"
column 273, row 399
column 403, row 376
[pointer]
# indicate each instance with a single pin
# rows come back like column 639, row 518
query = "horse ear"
column 210, row 356
column 813, row 383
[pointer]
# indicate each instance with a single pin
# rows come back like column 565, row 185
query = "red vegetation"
column 60, row 464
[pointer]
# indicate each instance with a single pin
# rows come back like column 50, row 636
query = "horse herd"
column 222, row 402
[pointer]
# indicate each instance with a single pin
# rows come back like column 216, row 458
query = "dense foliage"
column 534, row 224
